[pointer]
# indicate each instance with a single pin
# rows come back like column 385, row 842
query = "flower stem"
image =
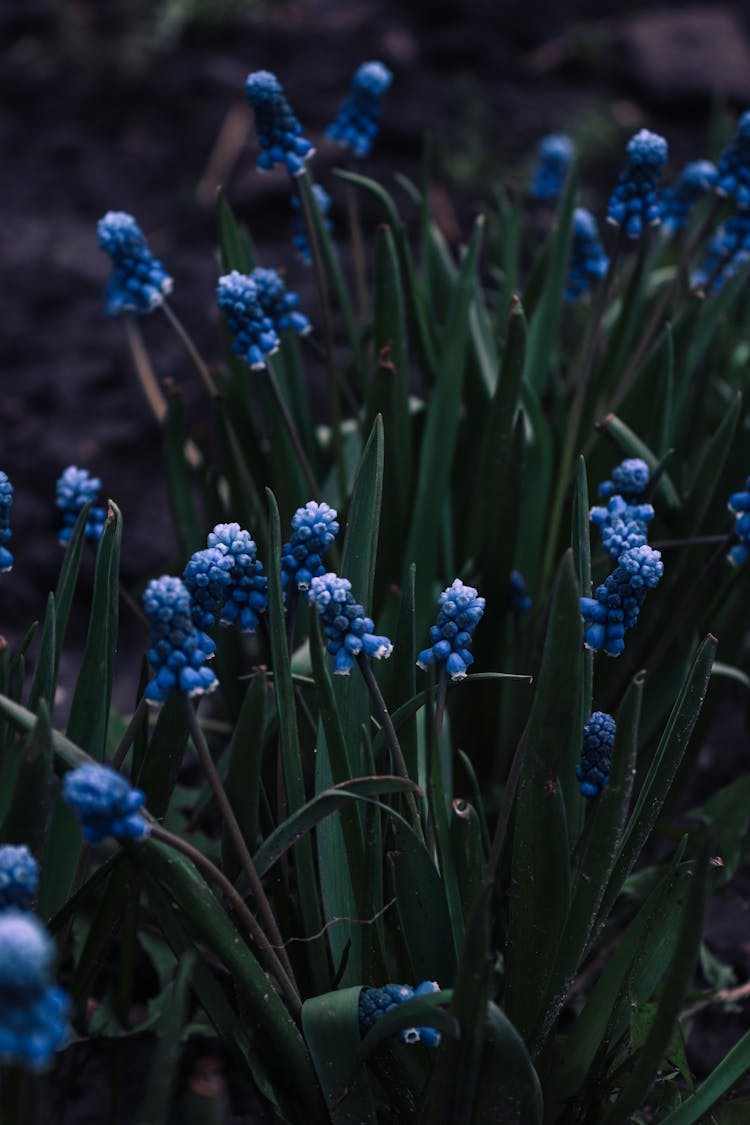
column 128, row 738
column 189, row 346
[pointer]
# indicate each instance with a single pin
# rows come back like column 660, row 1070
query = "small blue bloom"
column 554, row 156
column 178, row 649
column 588, row 262
column 697, row 179
column 105, row 802
column 19, row 877
column 279, row 131
column 518, row 600
column 315, row 527
column 6, row 499
column 348, row 631
column 629, row 479
column 635, row 201
column 139, row 283
column 299, row 238
column 728, row 252
column 252, row 328
column 246, row 595
column 734, row 164
column 596, row 753
column 460, row 611
column 278, row 303
column 617, row 602
column 33, row 1011
column 375, row 1002
column 739, row 503
column 622, row 525
column 75, row 488
column 208, row 577
column 358, row 121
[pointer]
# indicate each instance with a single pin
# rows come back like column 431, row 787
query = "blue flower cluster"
column 208, row 577
column 348, row 631
column 33, row 1011
column 299, row 238
column 75, row 488
column 635, row 201
column 6, row 499
column 178, row 650
column 375, row 1002
column 596, row 753
column 460, row 611
column 617, row 602
column 696, row 180
column 139, row 282
column 518, row 600
column 254, row 334
column 315, row 527
column 739, row 503
column 554, row 156
column 279, row 131
column 358, row 120
column 728, row 251
column 734, row 164
column 629, row 479
column 106, row 803
column 278, row 303
column 588, row 262
column 622, row 525
column 19, row 877
column 246, row 595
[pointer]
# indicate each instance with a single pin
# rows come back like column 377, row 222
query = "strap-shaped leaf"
column 237, row 251
column 422, row 909
column 330, row 1024
column 179, row 478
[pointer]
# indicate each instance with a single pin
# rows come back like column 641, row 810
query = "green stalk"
column 189, row 346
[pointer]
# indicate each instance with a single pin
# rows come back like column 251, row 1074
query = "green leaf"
column 732, row 1067
column 245, row 759
column 631, row 446
column 27, row 818
column 330, row 1024
column 237, row 252
column 360, row 548
column 67, row 578
column 508, row 1088
column 700, row 494
column 422, row 909
column 179, row 478
column 157, row 775
column 163, row 1073
column 44, row 681
column 469, row 856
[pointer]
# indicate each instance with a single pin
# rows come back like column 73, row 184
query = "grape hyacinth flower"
column 696, row 180
column 348, row 631
column 139, row 282
column 588, row 262
column 278, row 303
column 246, row 594
column 75, row 488
column 279, row 132
column 728, row 251
column 6, row 499
column 106, row 803
column 622, row 525
column 635, row 201
column 460, row 611
column 33, row 1011
column 734, row 164
column 178, row 650
column 253, row 331
column 208, row 577
column 358, row 121
column 315, row 527
column 299, row 238
column 518, row 600
column 596, row 753
column 554, row 156
column 19, row 877
column 617, row 602
column 629, row 479
column 375, row 1002
column 739, row 503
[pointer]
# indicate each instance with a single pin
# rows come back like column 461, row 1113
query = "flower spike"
column 635, row 201
column 246, row 594
column 139, row 282
column 588, row 262
column 19, row 877
column 6, row 499
column 596, row 753
column 315, row 527
column 75, row 488
column 697, row 179
column 279, row 131
column 375, row 1002
column 105, row 802
column 178, row 650
column 254, row 334
column 460, row 611
column 728, row 252
column 358, row 121
column 33, row 1011
column 278, row 303
column 348, row 631
column 617, row 602
column 739, row 503
column 554, row 155
column 299, row 237
column 734, row 164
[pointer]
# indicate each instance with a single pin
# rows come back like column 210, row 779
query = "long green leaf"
column 422, row 909
column 731, row 1068
column 179, row 479
column 330, row 1024
column 631, row 446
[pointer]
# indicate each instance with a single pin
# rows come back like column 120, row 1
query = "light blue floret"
column 315, row 527
column 697, row 179
column 554, row 156
column 106, row 803
column 348, row 631
column 622, row 525
column 279, row 132
column 139, row 283
column 33, row 1011
column 588, row 262
column 728, row 252
column 375, row 1002
column 596, row 753
column 460, row 611
column 739, row 503
column 617, row 602
column 208, row 577
column 299, row 237
column 278, row 303
column 6, row 499
column 19, row 877
column 75, row 488
column 246, row 595
column 734, row 164
column 252, row 328
column 178, row 649
column 635, row 201
column 358, row 121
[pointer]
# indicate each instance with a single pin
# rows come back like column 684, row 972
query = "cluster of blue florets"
column 519, row 601
column 33, row 1011
column 139, row 283
column 588, row 262
column 252, row 328
column 622, row 523
column 554, row 157
column 460, row 612
column 208, row 577
column 375, row 1002
column 739, row 503
column 728, row 251
column 6, row 499
column 635, row 201
column 106, row 803
column 696, row 180
column 19, row 877
column 617, row 602
column 299, row 238
column 596, row 753
column 178, row 649
column 75, row 488
column 246, row 594
column 358, row 120
column 279, row 131
column 348, row 631
column 314, row 529
column 733, row 173
column 278, row 303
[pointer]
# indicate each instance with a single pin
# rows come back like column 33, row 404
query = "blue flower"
column 622, row 525
column 33, row 1011
column 254, row 334
column 375, row 1002
column 629, row 479
column 139, row 283
column 728, row 251
column 588, row 262
column 635, row 201
column 178, row 650
column 734, row 164
column 6, row 499
column 246, row 594
column 299, row 238
column 460, row 611
column 105, row 802
column 348, row 631
column 696, row 180
column 596, row 753
column 75, row 488
column 739, row 503
column 518, row 600
column 617, row 602
column 358, row 121
column 554, row 156
column 19, row 877
column 278, row 303
column 208, row 577
column 315, row 527
column 279, row 131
